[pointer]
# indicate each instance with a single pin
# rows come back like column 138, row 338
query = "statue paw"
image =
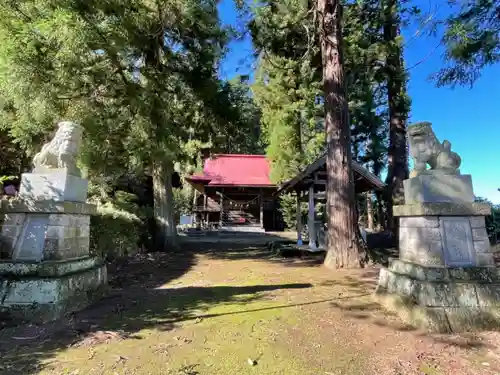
column 448, row 160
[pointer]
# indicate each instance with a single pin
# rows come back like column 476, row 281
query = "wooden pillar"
column 299, row 220
column 261, row 210
column 311, row 220
column 274, row 214
column 195, row 204
column 369, row 210
column 205, row 200
column 221, row 221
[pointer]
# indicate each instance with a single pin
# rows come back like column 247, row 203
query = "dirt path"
column 239, row 311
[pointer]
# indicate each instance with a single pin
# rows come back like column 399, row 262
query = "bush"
column 183, row 200
column 493, row 224
column 492, row 221
column 288, row 208
column 117, row 228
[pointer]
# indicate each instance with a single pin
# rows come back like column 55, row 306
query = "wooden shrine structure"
column 234, row 191
column 310, row 185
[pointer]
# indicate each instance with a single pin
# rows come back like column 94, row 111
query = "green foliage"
column 183, row 200
column 6, row 178
column 140, row 77
column 288, row 208
column 288, row 85
column 118, row 226
column 493, row 224
column 12, row 159
column 99, row 63
column 243, row 133
column 492, row 221
column 472, row 41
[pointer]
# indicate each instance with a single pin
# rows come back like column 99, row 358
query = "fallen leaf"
column 121, row 358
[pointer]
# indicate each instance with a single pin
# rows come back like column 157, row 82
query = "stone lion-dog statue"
column 62, row 151
column 426, row 149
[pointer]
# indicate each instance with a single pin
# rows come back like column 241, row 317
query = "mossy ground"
column 215, row 309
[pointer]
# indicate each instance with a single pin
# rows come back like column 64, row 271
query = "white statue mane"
column 426, row 149
column 62, row 151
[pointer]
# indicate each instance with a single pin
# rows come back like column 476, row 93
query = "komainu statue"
column 62, row 151
column 426, row 149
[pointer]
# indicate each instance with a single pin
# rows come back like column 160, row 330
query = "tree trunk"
column 166, row 234
column 343, row 239
column 397, row 156
column 369, row 210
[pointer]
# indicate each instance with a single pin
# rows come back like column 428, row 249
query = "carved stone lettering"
column 30, row 245
column 457, row 240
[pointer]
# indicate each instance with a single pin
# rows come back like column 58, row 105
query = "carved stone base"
column 45, row 231
column 447, row 234
column 459, row 241
column 441, row 299
column 46, row 291
column 56, row 185
column 439, row 187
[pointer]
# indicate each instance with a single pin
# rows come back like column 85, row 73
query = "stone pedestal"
column 438, row 188
column 444, row 234
column 41, row 292
column 45, row 266
column 56, row 185
column 441, row 299
column 445, row 278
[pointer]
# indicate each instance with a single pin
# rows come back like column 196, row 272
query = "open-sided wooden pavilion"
column 310, row 185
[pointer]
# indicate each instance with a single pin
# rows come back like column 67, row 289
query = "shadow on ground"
column 381, row 248
column 136, row 302
column 370, row 311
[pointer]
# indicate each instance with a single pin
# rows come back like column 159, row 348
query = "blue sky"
column 468, row 118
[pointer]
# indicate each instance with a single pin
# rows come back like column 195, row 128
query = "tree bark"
column 166, row 234
column 369, row 210
column 397, row 156
column 344, row 244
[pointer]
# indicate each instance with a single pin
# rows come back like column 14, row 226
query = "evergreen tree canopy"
column 141, row 77
column 472, row 41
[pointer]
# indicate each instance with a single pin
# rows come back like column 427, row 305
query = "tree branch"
column 425, row 58
column 423, row 25
column 113, row 56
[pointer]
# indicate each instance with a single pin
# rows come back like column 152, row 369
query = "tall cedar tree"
column 289, row 90
column 397, row 156
column 343, row 239
column 140, row 77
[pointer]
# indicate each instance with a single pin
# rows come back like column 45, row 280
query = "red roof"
column 235, row 170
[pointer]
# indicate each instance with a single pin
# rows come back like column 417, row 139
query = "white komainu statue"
column 62, row 151
column 426, row 149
